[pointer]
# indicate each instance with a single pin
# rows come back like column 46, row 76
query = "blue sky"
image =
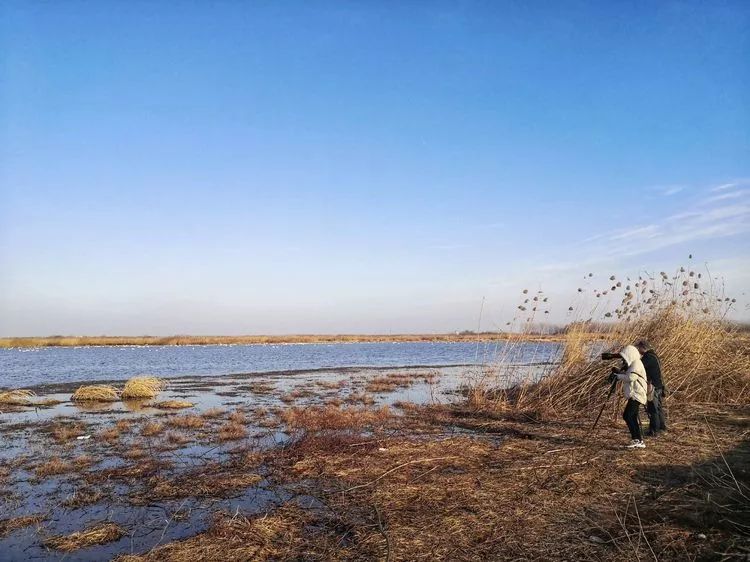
column 282, row 167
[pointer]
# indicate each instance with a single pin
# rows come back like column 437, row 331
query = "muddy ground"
column 363, row 464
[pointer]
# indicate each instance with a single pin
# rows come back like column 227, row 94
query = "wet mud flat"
column 128, row 476
column 364, row 465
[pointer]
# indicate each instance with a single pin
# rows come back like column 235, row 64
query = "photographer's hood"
column 631, row 354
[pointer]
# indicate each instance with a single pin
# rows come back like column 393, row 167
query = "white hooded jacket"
column 634, row 378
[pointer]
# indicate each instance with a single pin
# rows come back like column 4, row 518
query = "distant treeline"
column 73, row 341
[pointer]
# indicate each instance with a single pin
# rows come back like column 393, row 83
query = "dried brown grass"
column 7, row 526
column 232, row 431
column 173, row 404
column 142, row 387
column 152, row 429
column 333, row 418
column 186, row 422
column 16, row 397
column 96, row 393
column 98, row 534
column 390, row 382
column 703, row 357
column 53, row 467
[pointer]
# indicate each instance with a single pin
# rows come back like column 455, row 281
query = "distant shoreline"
column 78, row 341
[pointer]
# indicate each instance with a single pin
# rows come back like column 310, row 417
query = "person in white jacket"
column 635, row 387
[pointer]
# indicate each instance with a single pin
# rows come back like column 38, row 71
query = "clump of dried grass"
column 53, row 467
column 96, row 393
column 333, row 418
column 211, row 480
column 142, row 387
column 7, row 526
column 703, row 357
column 98, row 534
column 152, row 428
column 213, row 413
column 111, row 434
column 84, row 496
column 390, row 382
column 173, row 404
column 16, row 397
column 232, row 431
column 62, row 431
column 186, row 422
column 274, row 536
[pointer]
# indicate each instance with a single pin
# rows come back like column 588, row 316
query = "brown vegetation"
column 98, row 534
column 152, row 428
column 78, row 341
column 333, row 418
column 17, row 397
column 173, row 404
column 142, row 387
column 186, row 422
column 96, row 393
column 53, row 467
column 7, row 526
column 232, row 431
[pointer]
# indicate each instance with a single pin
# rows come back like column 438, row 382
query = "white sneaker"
column 636, row 444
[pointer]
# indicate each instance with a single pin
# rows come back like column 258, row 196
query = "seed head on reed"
column 142, row 387
column 96, row 393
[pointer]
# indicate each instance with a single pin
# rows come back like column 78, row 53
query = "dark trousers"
column 630, row 415
column 655, row 411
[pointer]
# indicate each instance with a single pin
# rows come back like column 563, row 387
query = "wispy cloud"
column 446, row 247
column 638, row 233
column 722, row 196
column 668, row 190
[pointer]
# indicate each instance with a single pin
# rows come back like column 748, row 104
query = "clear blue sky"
column 277, row 167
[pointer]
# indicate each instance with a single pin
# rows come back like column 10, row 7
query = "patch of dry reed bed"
column 546, row 491
column 98, row 534
column 8, row 526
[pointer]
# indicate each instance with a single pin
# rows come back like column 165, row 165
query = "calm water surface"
column 27, row 367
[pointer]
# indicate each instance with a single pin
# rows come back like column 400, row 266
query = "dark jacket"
column 653, row 369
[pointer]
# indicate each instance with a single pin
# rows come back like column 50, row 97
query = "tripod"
column 609, row 395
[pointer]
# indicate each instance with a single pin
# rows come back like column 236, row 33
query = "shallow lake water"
column 45, row 365
column 203, row 377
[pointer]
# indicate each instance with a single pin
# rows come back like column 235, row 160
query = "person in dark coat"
column 657, row 391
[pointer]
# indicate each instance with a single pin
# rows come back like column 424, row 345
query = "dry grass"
column 232, row 431
column 7, row 526
column 96, row 393
column 211, row 481
column 53, row 467
column 84, row 496
column 703, row 357
column 390, row 382
column 16, row 397
column 111, row 434
column 173, row 404
column 176, row 438
column 333, row 418
column 186, row 422
column 98, row 534
column 134, row 453
column 540, row 493
column 278, row 536
column 74, row 341
column 142, row 387
column 62, row 431
column 213, row 413
column 152, row 429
